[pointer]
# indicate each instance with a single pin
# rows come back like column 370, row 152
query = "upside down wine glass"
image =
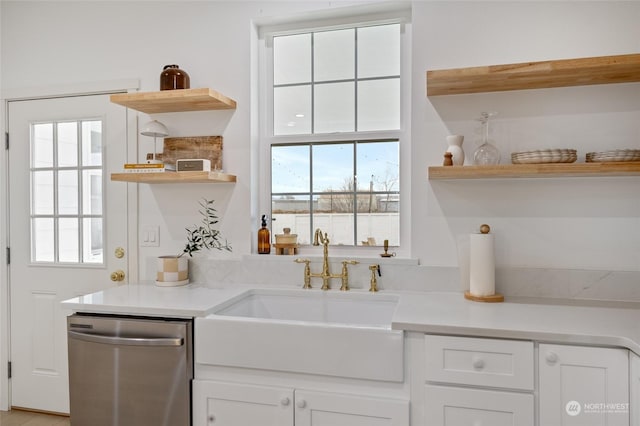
column 486, row 154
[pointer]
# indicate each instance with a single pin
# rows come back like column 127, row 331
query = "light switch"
column 150, row 236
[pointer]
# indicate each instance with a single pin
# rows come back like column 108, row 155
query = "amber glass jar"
column 173, row 77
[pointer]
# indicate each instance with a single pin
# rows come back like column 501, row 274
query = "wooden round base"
column 489, row 299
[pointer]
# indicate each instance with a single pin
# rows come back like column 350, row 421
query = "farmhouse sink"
column 304, row 331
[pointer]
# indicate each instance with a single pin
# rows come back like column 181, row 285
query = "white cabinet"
column 462, row 375
column 334, row 409
column 236, row 404
column 453, row 406
column 479, row 361
column 583, row 386
column 229, row 404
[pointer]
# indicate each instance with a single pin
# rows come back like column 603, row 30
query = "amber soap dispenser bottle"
column 264, row 239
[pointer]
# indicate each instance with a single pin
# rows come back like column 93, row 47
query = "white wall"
column 549, row 223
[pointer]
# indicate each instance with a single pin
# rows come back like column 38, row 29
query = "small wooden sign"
column 193, row 147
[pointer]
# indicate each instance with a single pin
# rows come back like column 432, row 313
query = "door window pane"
column 67, row 144
column 60, row 186
column 68, row 192
column 42, row 192
column 42, row 145
column 92, row 244
column 92, row 192
column 92, row 143
column 43, row 239
column 68, row 231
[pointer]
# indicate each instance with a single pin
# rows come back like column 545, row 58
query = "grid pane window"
column 66, row 192
column 350, row 190
column 337, row 83
column 318, row 78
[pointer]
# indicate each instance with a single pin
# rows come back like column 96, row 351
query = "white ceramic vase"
column 455, row 148
column 172, row 271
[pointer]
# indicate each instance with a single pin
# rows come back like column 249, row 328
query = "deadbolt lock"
column 119, row 252
column 117, row 275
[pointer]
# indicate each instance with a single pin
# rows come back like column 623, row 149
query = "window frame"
column 335, row 20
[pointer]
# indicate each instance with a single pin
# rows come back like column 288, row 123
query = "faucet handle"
column 350, row 262
column 374, row 281
column 307, row 272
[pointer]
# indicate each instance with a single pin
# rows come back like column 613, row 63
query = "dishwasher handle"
column 127, row 341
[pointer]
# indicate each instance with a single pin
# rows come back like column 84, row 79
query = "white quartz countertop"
column 429, row 312
column 451, row 313
column 192, row 300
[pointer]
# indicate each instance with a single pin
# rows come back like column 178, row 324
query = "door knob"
column 117, row 275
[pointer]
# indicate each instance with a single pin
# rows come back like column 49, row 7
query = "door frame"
column 35, row 93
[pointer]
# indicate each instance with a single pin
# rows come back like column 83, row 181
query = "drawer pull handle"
column 551, row 357
column 478, row 363
column 285, row 401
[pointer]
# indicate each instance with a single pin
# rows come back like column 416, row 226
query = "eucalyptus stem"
column 205, row 236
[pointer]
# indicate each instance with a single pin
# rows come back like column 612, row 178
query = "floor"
column 27, row 418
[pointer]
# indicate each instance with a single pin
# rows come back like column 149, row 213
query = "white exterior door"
column 582, row 386
column 66, row 220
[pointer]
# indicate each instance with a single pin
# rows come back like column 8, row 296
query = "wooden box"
column 193, row 147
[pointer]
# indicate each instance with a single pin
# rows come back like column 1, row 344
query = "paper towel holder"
column 490, row 298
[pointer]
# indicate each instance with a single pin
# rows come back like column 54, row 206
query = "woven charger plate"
column 545, row 156
column 616, row 155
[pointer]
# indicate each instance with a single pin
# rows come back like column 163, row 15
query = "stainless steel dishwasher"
column 129, row 371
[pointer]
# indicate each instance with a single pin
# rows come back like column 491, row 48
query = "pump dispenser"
column 264, row 238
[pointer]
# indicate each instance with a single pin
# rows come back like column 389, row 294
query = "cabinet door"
column 451, row 406
column 581, row 386
column 332, row 409
column 232, row 404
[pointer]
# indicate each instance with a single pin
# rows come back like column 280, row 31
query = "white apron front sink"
column 304, row 331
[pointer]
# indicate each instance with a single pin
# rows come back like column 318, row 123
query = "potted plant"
column 174, row 270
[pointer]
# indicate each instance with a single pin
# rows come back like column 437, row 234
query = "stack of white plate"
column 614, row 155
column 545, row 156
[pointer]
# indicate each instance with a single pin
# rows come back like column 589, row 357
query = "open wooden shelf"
column 535, row 75
column 534, row 170
column 174, row 100
column 174, row 177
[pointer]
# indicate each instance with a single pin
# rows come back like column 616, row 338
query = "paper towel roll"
column 482, row 269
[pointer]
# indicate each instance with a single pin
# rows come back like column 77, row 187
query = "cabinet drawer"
column 450, row 406
column 482, row 362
